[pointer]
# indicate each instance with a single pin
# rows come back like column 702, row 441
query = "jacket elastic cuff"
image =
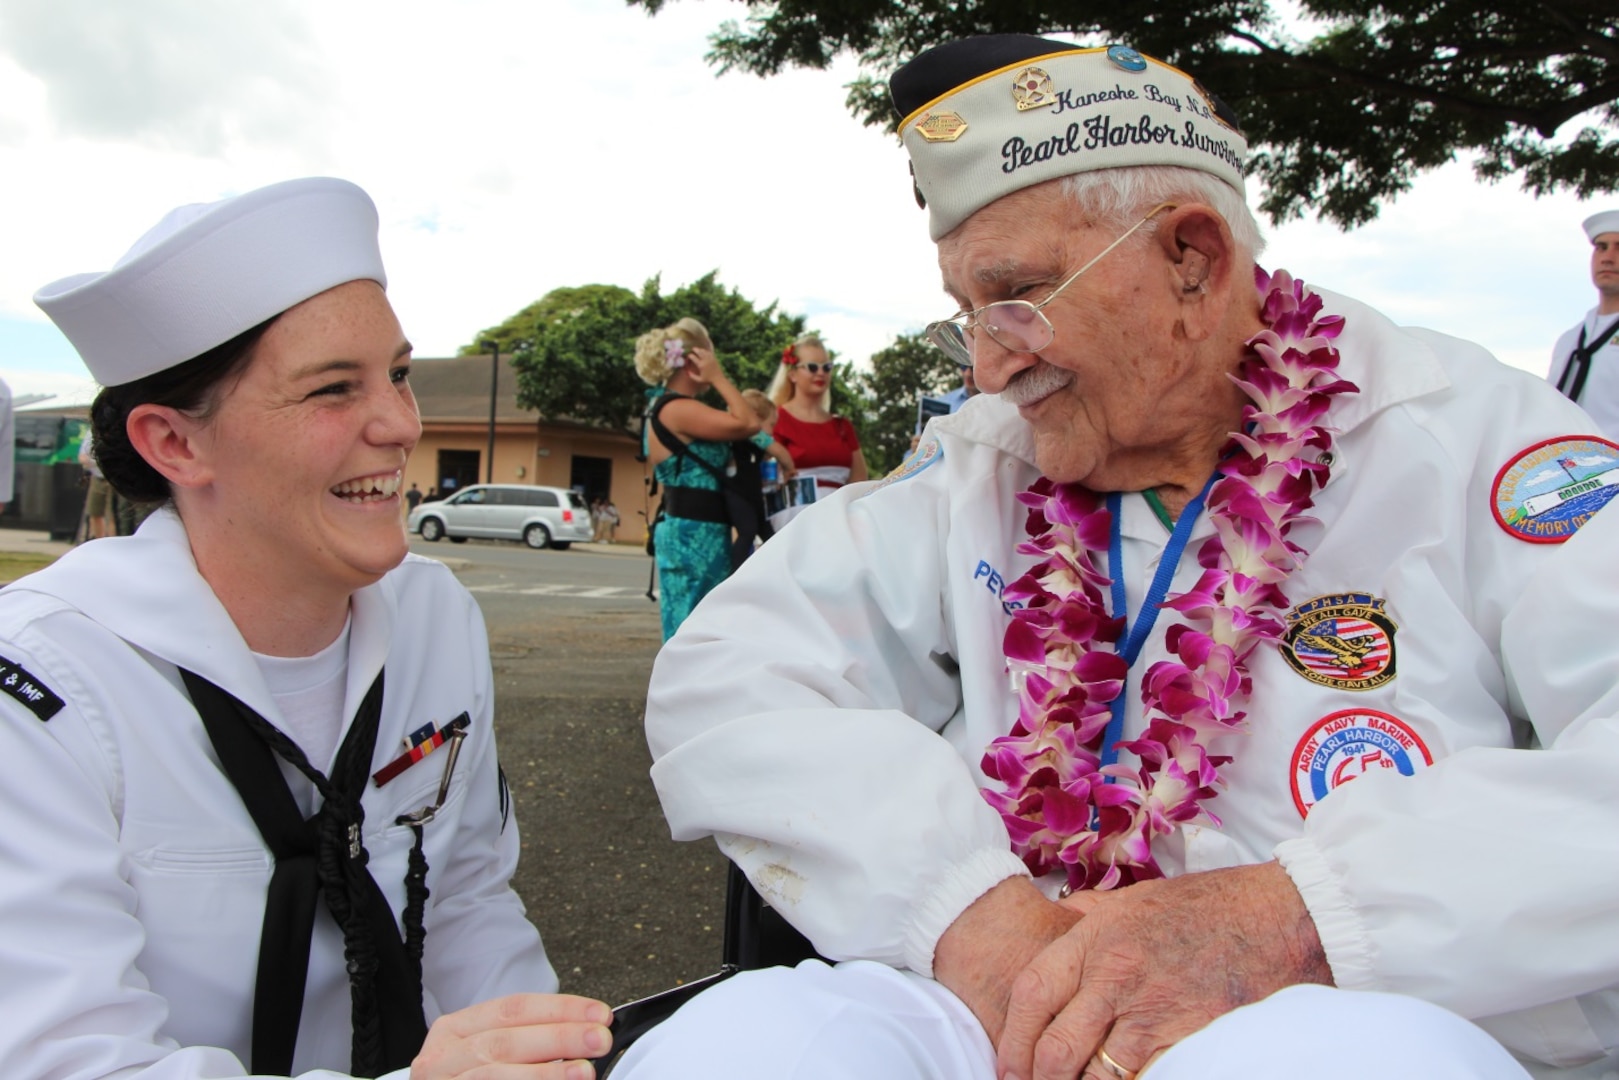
column 949, row 895
column 1343, row 935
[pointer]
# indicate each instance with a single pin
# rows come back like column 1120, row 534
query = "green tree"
column 898, row 373
column 557, row 303
column 573, row 349
column 1339, row 120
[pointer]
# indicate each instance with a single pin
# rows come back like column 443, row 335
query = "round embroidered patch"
column 1348, row 744
column 1345, row 641
column 924, row 455
column 1548, row 491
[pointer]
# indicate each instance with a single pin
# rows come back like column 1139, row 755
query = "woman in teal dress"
column 694, row 538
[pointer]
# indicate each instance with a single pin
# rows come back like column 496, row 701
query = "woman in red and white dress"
column 823, row 446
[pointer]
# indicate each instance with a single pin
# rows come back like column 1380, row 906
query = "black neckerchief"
column 1578, row 368
column 323, row 854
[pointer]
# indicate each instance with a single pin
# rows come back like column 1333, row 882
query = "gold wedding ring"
column 1113, row 1066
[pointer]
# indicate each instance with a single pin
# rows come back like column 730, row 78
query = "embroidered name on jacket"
column 33, row 695
column 1345, row 641
column 996, row 584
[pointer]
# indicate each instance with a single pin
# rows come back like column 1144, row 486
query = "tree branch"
column 1545, row 121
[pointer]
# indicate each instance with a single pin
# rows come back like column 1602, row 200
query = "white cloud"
column 174, row 74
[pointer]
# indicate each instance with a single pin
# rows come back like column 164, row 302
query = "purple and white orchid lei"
column 1057, row 801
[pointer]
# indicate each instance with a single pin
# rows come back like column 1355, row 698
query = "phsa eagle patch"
column 1348, row 744
column 1545, row 493
column 1345, row 641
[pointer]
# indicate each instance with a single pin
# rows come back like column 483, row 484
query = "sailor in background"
column 250, row 811
column 1585, row 361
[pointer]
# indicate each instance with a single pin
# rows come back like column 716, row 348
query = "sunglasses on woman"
column 816, row 369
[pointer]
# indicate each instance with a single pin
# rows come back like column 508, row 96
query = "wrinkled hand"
column 1149, row 965
column 551, row 1034
column 981, row 954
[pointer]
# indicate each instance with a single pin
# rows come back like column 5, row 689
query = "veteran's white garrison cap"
column 210, row 271
column 1605, row 222
column 987, row 116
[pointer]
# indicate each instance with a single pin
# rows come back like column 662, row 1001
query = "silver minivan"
column 538, row 516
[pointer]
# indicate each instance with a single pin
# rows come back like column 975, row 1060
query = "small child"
column 765, row 410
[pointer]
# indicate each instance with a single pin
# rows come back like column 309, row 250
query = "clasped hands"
column 1099, row 984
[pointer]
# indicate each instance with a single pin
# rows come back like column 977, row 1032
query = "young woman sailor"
column 223, row 845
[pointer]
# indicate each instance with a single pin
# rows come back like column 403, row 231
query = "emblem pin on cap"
column 1127, row 58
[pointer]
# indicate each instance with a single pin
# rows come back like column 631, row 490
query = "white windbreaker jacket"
column 132, row 880
column 824, row 712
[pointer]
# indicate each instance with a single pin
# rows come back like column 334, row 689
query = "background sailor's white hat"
column 210, row 271
column 1605, row 222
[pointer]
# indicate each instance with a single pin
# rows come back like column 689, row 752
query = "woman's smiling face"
column 307, row 447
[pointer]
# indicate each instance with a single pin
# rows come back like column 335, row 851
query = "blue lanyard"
column 1136, row 634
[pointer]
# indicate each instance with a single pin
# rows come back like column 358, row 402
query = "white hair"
column 1119, row 197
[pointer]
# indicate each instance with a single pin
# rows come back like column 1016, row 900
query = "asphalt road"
column 624, row 910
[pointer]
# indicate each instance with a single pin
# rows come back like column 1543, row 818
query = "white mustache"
column 1034, row 383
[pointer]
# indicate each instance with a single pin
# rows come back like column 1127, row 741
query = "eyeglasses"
column 1015, row 325
column 816, row 369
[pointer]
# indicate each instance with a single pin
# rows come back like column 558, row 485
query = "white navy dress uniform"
column 1585, row 360
column 161, row 899
column 134, row 893
column 824, row 716
column 1599, row 395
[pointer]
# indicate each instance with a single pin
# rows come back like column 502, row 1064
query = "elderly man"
column 1585, row 360
column 1167, row 678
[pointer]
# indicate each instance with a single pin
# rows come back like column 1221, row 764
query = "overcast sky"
column 514, row 146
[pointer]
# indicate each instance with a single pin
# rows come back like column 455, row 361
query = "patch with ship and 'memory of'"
column 1345, row 641
column 1346, row 745
column 1546, row 492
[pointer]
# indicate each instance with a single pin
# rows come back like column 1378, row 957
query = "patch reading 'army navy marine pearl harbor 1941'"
column 1546, row 492
column 1347, row 745
column 1345, row 641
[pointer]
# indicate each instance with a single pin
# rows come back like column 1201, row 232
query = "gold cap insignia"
column 941, row 127
column 1031, row 89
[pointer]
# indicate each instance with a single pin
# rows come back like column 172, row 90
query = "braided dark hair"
column 189, row 387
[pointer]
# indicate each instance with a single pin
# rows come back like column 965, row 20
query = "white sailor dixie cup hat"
column 210, row 271
column 1605, row 222
column 987, row 116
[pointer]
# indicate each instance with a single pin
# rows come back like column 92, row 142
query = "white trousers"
column 865, row 1021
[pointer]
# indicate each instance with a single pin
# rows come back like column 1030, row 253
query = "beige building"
column 453, row 396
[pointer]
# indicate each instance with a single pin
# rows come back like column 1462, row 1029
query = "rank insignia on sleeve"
column 1347, row 745
column 1545, row 493
column 32, row 694
column 1345, row 641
